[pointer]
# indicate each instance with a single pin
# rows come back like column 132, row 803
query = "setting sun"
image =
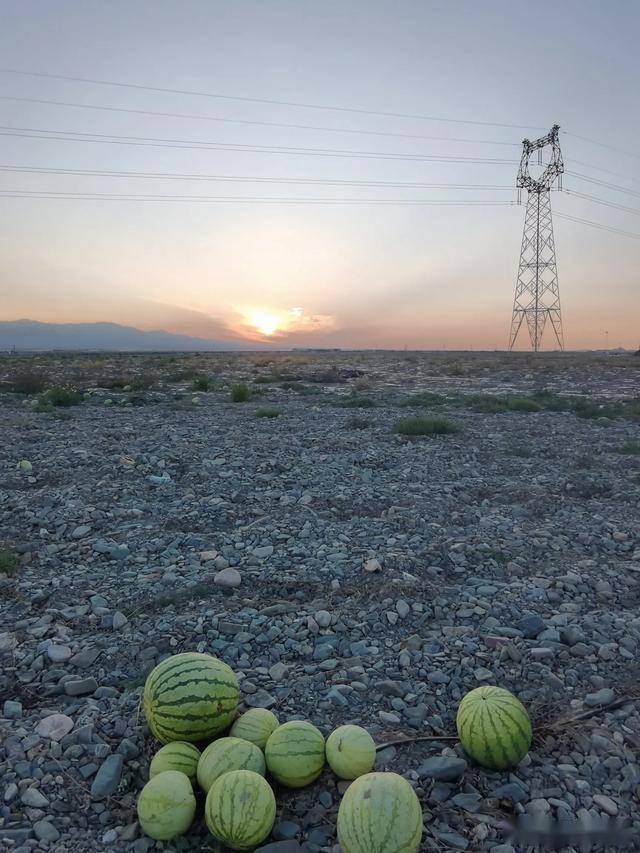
column 264, row 322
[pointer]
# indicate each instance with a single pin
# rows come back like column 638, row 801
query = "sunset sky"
column 318, row 273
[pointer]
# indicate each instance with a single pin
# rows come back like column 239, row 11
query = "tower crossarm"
column 554, row 168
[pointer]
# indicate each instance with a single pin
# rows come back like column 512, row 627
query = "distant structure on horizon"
column 537, row 296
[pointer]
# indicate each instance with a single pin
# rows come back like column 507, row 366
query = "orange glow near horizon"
column 265, row 322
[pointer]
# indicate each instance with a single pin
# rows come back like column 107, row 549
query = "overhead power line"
column 605, row 184
column 219, row 119
column 604, row 145
column 91, row 196
column 272, row 101
column 607, row 171
column 605, row 202
column 600, row 225
column 197, row 177
column 153, row 142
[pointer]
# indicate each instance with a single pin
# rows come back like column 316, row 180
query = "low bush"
column 203, row 383
column 8, row 561
column 241, row 393
column 59, row 396
column 27, row 382
column 630, row 448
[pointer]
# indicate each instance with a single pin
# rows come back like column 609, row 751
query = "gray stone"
column 45, row 831
column 263, row 551
column 58, row 654
column 228, row 578
column 80, row 687
column 605, row 804
column 510, row 791
column 33, row 798
column 531, row 625
column 285, row 830
column 444, row 768
column 260, row 699
column 85, row 658
column 12, row 710
column 119, row 620
column 323, row 618
column 55, row 726
column 600, row 697
column 108, row 777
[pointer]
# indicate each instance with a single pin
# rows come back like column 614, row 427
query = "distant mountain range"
column 32, row 335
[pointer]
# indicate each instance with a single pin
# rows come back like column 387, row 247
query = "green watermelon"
column 380, row 813
column 494, row 727
column 228, row 753
column 255, row 725
column 190, row 697
column 166, row 805
column 177, row 755
column 295, row 753
column 351, row 752
column 240, row 809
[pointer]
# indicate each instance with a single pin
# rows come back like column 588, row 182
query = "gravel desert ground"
column 287, row 513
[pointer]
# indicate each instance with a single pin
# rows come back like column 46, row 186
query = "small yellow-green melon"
column 255, row 725
column 166, row 805
column 295, row 753
column 178, row 755
column 351, row 752
column 226, row 754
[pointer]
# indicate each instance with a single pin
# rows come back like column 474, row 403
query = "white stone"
column 228, row 578
column 55, row 726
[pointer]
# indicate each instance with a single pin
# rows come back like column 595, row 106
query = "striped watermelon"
column 228, row 753
column 190, row 697
column 255, row 725
column 494, row 727
column 240, row 809
column 351, row 752
column 178, row 755
column 380, row 813
column 166, row 805
column 295, row 753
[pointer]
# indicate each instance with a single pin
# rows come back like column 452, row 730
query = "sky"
column 330, row 265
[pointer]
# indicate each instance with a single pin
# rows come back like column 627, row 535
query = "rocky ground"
column 347, row 573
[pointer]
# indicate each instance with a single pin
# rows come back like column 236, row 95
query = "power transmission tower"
column 537, row 296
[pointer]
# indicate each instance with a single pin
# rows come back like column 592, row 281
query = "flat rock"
column 55, row 726
column 443, row 768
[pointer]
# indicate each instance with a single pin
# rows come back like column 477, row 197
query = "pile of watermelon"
column 192, row 698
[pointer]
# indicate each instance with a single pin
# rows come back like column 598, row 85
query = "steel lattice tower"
column 537, row 296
